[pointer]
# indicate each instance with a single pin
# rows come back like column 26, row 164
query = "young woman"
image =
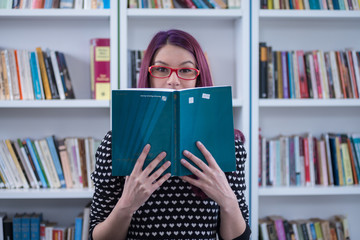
column 146, row 205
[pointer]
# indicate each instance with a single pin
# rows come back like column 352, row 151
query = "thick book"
column 100, row 64
column 172, row 121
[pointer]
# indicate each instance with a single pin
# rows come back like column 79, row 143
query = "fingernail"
column 199, row 143
column 186, row 152
column 163, row 154
column 182, row 161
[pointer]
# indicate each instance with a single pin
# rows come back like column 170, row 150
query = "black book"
column 51, row 77
column 65, row 76
column 263, row 73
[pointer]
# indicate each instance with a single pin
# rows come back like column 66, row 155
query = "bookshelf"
column 223, row 34
column 69, row 31
column 301, row 30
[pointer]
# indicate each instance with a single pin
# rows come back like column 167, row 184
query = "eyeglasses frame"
column 176, row 71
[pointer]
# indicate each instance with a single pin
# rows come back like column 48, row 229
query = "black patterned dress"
column 174, row 211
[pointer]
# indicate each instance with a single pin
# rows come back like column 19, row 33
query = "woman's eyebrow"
column 164, row 63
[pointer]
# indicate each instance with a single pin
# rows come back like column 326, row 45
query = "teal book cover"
column 172, row 121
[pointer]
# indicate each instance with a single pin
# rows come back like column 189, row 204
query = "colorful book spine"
column 55, row 158
column 36, row 163
column 35, row 76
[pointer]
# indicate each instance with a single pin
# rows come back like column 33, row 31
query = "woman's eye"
column 185, row 70
column 162, row 69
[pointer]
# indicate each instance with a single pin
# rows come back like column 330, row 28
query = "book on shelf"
column 193, row 4
column 312, row 74
column 100, row 68
column 46, row 162
column 172, row 121
column 311, row 5
column 34, row 75
column 328, row 160
column 277, row 227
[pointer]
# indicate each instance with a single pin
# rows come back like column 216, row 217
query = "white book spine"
column 9, row 81
column 27, row 161
column 14, row 78
column 44, row 163
column 335, row 73
column 323, row 76
column 10, row 165
column 357, row 70
column 28, row 77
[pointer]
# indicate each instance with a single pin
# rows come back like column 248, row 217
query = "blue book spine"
column 78, row 228
column 285, row 75
column 356, row 145
column 199, row 4
column 35, row 76
column 106, row 4
column 55, row 157
column 35, row 221
column 336, row 4
column 25, row 227
column 314, row 4
column 291, row 76
column 36, row 162
column 48, row 4
column 342, row 4
column 17, row 227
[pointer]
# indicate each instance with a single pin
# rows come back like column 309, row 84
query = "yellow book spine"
column 347, row 164
column 270, row 4
column 44, row 77
column 301, row 5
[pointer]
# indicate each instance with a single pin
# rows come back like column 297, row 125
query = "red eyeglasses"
column 183, row 73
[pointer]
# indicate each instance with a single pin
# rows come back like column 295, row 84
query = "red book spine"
column 317, row 75
column 352, row 74
column 306, row 161
column 100, row 62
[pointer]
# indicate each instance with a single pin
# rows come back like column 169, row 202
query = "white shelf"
column 46, row 193
column 237, row 102
column 278, row 103
column 54, row 13
column 309, row 191
column 309, row 14
column 78, row 103
column 193, row 13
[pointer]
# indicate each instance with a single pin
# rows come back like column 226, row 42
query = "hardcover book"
column 172, row 121
column 100, row 66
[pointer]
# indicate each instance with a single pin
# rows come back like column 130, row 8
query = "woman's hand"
column 210, row 178
column 141, row 183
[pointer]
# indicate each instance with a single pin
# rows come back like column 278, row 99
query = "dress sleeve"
column 108, row 188
column 236, row 181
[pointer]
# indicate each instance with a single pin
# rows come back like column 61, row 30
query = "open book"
column 172, row 121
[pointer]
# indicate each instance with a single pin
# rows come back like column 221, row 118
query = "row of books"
column 304, row 160
column 47, row 4
column 134, row 63
column 308, row 74
column 276, row 227
column 34, row 75
column 26, row 226
column 202, row 4
column 47, row 162
column 311, row 4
